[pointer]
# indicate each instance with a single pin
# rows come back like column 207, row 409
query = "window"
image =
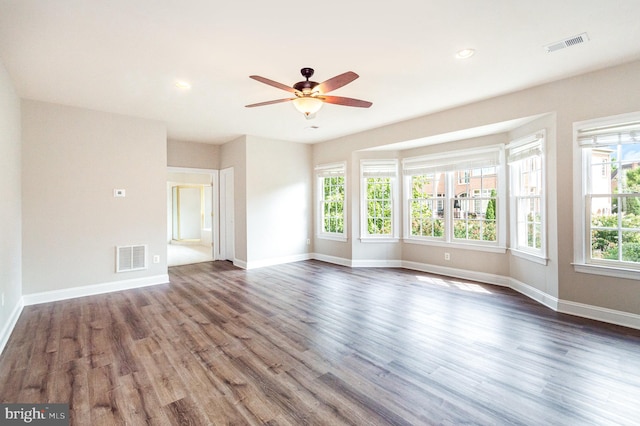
column 378, row 207
column 426, row 205
column 331, row 192
column 527, row 195
column 475, row 199
column 454, row 198
column 610, row 195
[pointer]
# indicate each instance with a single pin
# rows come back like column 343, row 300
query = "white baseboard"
column 598, row 313
column 277, row 261
column 90, row 290
column 239, row 263
column 7, row 329
column 358, row 263
column 535, row 294
column 331, row 259
column 465, row 274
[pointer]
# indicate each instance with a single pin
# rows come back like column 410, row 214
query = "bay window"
column 456, row 198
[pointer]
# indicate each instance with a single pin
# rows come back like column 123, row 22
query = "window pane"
column 427, row 205
column 604, row 244
column 474, row 205
column 631, row 247
column 489, row 230
column 630, row 212
column 614, row 181
column 333, row 204
column 630, row 178
column 379, row 206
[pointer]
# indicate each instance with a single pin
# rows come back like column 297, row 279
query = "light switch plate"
column 119, row 193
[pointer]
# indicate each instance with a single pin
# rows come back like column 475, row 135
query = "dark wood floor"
column 312, row 343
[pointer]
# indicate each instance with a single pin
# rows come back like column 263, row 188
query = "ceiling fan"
column 310, row 95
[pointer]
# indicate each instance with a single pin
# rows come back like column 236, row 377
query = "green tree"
column 491, row 207
column 632, row 184
column 379, row 206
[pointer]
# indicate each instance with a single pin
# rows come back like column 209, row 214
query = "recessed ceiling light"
column 181, row 84
column 465, row 53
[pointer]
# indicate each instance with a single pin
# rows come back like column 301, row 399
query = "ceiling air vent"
column 131, row 258
column 567, row 42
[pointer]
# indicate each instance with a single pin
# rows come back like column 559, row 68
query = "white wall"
column 73, row 159
column 10, row 207
column 278, row 201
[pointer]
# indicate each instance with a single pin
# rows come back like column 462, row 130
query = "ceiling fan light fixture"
column 308, row 105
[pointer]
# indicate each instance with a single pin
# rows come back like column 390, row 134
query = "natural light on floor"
column 448, row 283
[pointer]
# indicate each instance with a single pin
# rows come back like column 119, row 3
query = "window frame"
column 322, row 172
column 381, row 168
column 582, row 216
column 450, row 164
column 519, row 151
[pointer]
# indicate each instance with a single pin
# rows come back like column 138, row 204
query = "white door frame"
column 215, row 203
column 227, row 228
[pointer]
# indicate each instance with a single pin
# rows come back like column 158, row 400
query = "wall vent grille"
column 131, row 258
column 567, row 42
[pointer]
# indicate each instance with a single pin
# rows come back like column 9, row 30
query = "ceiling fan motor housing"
column 308, row 85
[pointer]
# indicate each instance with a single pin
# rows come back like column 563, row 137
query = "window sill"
column 530, row 256
column 476, row 247
column 607, row 271
column 379, row 240
column 340, row 238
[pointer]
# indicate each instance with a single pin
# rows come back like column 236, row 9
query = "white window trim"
column 581, row 240
column 448, row 161
column 320, row 170
column 538, row 256
column 365, row 237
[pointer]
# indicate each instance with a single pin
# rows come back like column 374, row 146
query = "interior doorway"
column 192, row 225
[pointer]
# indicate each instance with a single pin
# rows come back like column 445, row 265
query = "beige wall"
column 10, row 205
column 278, row 199
column 72, row 161
column 193, row 154
column 598, row 94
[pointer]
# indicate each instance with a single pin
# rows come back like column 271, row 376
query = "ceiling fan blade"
column 273, row 83
column 277, row 101
column 338, row 100
column 336, row 82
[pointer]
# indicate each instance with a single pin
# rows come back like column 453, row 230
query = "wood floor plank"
column 309, row 343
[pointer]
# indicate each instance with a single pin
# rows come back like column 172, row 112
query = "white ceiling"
column 124, row 56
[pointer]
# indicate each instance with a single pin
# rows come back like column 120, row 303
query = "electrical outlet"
column 447, row 256
column 156, row 259
column 308, row 241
